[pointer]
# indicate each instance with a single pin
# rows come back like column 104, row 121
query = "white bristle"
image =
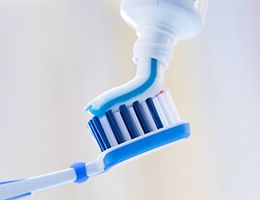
column 148, row 116
column 108, row 131
column 136, row 121
column 164, row 106
column 122, row 126
column 160, row 112
column 172, row 107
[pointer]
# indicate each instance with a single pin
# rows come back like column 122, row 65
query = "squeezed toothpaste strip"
column 100, row 111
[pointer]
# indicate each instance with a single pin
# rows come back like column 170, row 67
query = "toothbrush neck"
column 155, row 41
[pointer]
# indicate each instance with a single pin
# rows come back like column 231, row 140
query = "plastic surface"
column 154, row 113
column 134, row 120
column 144, row 144
column 96, row 135
column 128, row 121
column 159, row 25
column 114, row 126
column 81, row 172
column 19, row 196
column 100, row 130
column 201, row 7
column 25, row 187
column 138, row 147
column 141, row 117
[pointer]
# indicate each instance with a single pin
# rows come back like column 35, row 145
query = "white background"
column 57, row 55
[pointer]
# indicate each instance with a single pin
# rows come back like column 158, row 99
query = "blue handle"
column 16, row 197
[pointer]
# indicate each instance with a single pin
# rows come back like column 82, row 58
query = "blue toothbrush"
column 123, row 134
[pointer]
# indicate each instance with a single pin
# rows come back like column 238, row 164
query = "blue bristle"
column 96, row 135
column 114, row 126
column 129, row 122
column 101, row 132
column 154, row 113
column 141, row 117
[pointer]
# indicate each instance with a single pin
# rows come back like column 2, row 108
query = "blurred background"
column 57, row 55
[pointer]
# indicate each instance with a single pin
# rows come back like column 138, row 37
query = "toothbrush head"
column 134, row 130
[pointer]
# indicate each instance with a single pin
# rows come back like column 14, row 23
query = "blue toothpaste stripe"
column 114, row 126
column 141, row 117
column 125, row 97
column 129, row 122
column 154, row 113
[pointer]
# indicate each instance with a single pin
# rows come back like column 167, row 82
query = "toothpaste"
column 147, row 82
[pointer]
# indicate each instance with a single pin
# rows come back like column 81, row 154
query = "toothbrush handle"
column 25, row 187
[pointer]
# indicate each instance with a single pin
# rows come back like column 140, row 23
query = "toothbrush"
column 138, row 117
column 121, row 135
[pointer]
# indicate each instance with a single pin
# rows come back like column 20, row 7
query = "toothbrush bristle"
column 132, row 121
